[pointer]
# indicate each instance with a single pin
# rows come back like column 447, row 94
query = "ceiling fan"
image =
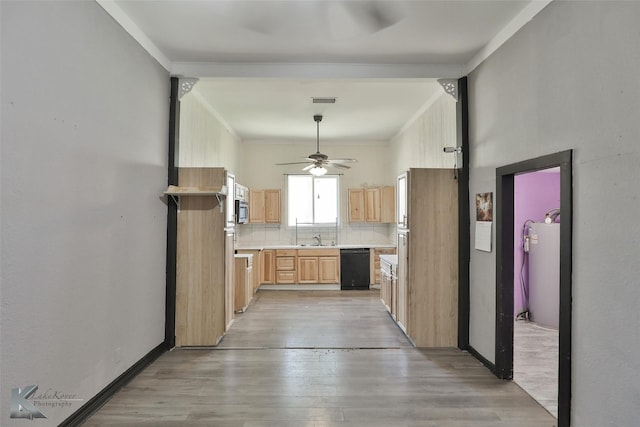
column 317, row 160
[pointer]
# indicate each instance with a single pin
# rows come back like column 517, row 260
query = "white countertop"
column 390, row 259
column 339, row 246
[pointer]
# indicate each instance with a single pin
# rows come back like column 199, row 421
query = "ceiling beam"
column 316, row 71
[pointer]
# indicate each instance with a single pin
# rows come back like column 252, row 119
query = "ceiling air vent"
column 324, row 100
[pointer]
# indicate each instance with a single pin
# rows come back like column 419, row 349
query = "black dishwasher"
column 354, row 269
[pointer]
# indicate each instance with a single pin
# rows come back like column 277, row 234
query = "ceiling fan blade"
column 292, row 163
column 338, row 166
column 335, row 161
column 306, row 168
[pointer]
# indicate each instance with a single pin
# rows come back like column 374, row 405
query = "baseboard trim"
column 482, row 359
column 96, row 402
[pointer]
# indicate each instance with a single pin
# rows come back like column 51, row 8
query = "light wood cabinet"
column 243, row 282
column 388, row 204
column 268, row 266
column 256, row 206
column 374, row 272
column 329, row 269
column 264, row 206
column 307, row 269
column 319, row 266
column 402, row 290
column 286, row 266
column 272, row 206
column 256, row 260
column 372, row 204
column 428, row 259
column 356, row 205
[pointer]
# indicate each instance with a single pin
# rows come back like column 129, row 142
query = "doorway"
column 505, row 281
column 536, row 279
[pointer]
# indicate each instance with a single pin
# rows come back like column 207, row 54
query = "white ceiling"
column 261, row 62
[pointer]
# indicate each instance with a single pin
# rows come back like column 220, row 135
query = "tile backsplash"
column 346, row 234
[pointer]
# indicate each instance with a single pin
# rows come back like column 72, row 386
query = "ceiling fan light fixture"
column 317, row 171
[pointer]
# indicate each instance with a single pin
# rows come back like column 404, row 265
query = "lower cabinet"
column 319, row 266
column 268, row 266
column 286, row 266
column 243, row 282
column 329, row 269
column 256, row 272
column 374, row 274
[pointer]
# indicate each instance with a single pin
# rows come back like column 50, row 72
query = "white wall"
column 569, row 80
column 260, row 171
column 421, row 144
column 84, row 163
column 204, row 141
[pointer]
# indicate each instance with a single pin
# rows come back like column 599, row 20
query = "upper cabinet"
column 264, row 206
column 373, row 204
column 272, row 206
column 356, row 205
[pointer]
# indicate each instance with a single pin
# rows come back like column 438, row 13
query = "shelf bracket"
column 450, row 86
column 185, row 85
column 176, row 199
column 220, row 198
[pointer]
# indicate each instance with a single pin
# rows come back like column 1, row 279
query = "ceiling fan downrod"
column 318, row 119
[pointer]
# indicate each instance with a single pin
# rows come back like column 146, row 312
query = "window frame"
column 338, row 180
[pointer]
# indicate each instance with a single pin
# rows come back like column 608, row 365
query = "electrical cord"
column 524, row 314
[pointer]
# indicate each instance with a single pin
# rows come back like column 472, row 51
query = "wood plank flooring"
column 327, row 358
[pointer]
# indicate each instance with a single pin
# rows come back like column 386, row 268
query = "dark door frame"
column 504, row 271
column 172, row 218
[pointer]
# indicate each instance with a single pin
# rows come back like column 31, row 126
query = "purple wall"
column 535, row 194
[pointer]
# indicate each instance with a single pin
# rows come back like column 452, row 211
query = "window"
column 312, row 200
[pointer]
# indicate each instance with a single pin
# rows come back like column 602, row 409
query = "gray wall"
column 570, row 79
column 83, row 166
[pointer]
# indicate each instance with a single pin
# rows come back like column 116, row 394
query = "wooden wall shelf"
column 176, row 192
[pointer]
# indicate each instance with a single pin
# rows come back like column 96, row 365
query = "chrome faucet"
column 318, row 239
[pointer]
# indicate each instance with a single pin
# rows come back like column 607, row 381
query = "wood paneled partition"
column 200, row 277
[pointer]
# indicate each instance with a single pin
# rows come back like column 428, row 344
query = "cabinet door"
column 329, row 269
column 286, row 277
column 372, row 204
column 229, row 279
column 403, row 287
column 240, row 290
column 307, row 269
column 388, row 205
column 256, row 206
column 268, row 265
column 385, row 290
column 356, row 205
column 272, row 206
column 285, row 263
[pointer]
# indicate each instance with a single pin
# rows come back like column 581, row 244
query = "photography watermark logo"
column 21, row 407
column 26, row 403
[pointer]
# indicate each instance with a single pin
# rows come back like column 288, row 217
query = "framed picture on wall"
column 484, row 207
column 484, row 221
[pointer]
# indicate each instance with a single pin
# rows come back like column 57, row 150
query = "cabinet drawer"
column 285, row 277
column 318, row 252
column 286, row 252
column 285, row 263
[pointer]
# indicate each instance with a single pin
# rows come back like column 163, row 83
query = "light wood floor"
column 327, row 358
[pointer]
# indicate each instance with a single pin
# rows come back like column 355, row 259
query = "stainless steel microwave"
column 242, row 212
